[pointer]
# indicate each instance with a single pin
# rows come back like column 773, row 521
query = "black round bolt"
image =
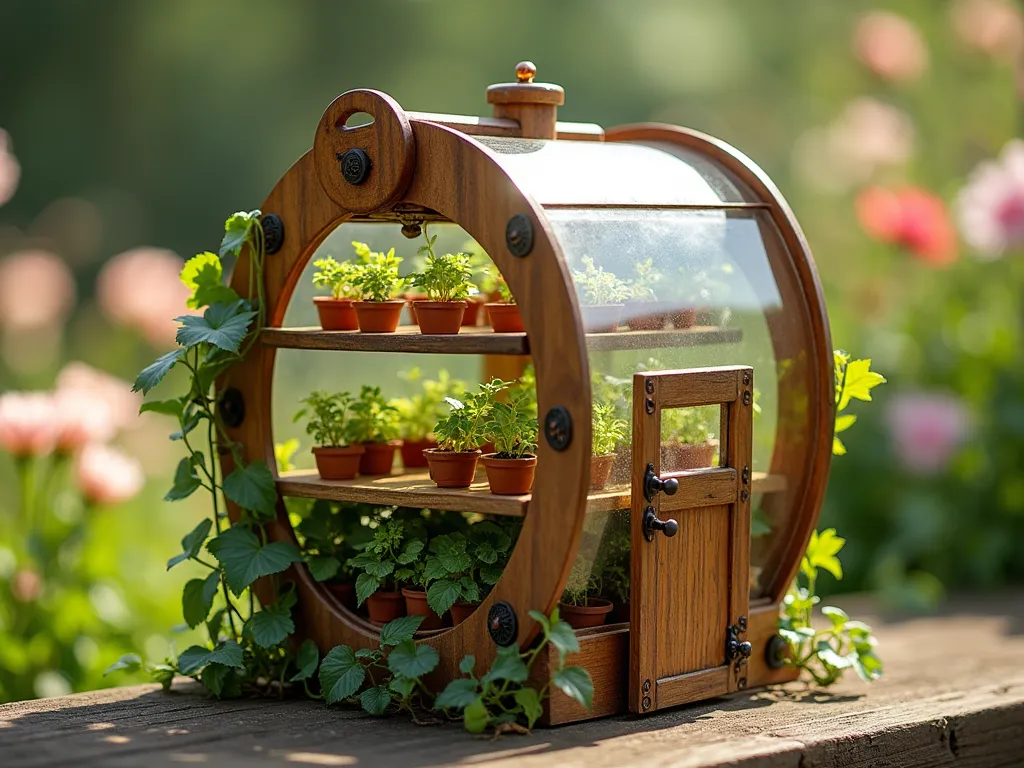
column 649, row 386
column 744, row 495
column 649, row 406
column 355, row 165
column 519, row 235
column 646, row 702
column 502, row 624
column 273, row 232
column 558, row 428
column 232, row 407
column 746, row 398
column 647, row 686
column 413, row 230
column 776, row 651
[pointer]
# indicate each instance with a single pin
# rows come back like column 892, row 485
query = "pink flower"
column 28, row 423
column 926, row 429
column 10, row 170
column 911, row 218
column 115, row 395
column 140, row 289
column 890, row 46
column 993, row 27
column 990, row 207
column 105, row 475
column 37, row 291
column 82, row 418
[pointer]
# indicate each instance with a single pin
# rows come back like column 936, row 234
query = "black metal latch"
column 735, row 649
column 651, row 523
column 653, row 485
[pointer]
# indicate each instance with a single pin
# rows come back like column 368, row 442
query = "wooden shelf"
column 483, row 341
column 416, row 489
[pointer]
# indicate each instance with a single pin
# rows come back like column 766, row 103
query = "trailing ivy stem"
column 216, row 521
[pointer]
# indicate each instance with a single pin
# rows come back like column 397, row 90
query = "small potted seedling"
column 609, row 431
column 418, row 414
column 504, row 315
column 643, row 310
column 378, row 283
column 513, row 429
column 386, row 562
column 688, row 442
column 601, row 296
column 337, row 457
column 446, row 282
column 335, row 311
column 460, row 435
column 374, row 426
column 461, row 569
column 330, row 539
column 615, row 547
column 580, row 605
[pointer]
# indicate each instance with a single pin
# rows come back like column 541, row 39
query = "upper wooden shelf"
column 483, row 341
column 416, row 489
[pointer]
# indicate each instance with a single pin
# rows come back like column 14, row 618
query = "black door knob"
column 653, row 485
column 651, row 524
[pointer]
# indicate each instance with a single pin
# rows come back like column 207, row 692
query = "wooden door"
column 690, row 545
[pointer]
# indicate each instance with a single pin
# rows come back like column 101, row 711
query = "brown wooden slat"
column 682, row 689
column 618, row 497
column 700, row 386
column 700, row 488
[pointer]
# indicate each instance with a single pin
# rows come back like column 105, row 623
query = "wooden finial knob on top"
column 533, row 105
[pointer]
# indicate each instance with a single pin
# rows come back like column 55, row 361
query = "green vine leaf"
column 442, row 594
column 375, row 700
column 410, row 660
column 130, row 662
column 458, row 694
column 475, row 717
column 529, row 700
column 403, row 686
column 192, row 660
column 192, row 543
column 467, row 664
column 154, row 373
column 323, row 567
column 563, row 637
column 197, row 599
column 341, row 674
column 236, row 230
column 366, row 585
column 507, row 666
column 244, row 559
column 307, row 660
column 203, row 276
column 270, row 626
column 575, row 683
column 252, row 487
column 166, row 407
column 222, row 325
column 821, row 553
column 186, row 481
column 859, row 382
column 399, row 631
column 222, row 681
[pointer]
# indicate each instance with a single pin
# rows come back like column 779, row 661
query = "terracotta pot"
column 452, row 469
column 676, row 456
column 600, row 470
column 645, row 316
column 378, row 316
column 379, row 458
column 336, row 314
column 412, row 298
column 412, row 452
column 593, row 614
column 462, row 611
column 683, row 318
column 602, row 319
column 385, row 606
column 416, row 605
column 440, row 317
column 345, row 594
column 509, row 477
column 488, row 447
column 338, row 463
column 505, row 318
column 472, row 316
column 620, row 613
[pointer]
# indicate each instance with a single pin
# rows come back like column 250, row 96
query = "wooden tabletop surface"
column 952, row 695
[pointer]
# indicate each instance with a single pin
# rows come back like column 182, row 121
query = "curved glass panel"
column 676, row 289
column 610, row 173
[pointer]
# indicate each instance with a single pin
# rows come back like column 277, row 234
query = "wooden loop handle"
column 367, row 167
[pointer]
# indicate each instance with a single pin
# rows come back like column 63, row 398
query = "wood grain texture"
column 958, row 703
column 618, row 497
column 803, row 443
column 494, row 126
column 692, row 686
column 700, row 488
column 700, row 386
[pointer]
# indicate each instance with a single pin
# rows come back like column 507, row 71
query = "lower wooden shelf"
column 416, row 489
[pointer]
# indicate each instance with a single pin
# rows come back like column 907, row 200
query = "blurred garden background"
column 129, row 131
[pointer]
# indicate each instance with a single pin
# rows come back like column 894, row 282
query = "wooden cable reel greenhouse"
column 538, row 195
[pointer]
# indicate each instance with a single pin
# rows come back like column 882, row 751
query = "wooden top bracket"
column 533, row 105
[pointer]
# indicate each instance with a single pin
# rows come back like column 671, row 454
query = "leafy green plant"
column 501, row 699
column 854, row 380
column 374, row 419
column 444, row 278
column 464, row 428
column 328, row 417
column 596, row 286
column 465, row 567
column 688, row 425
column 381, row 679
column 331, row 537
column 609, row 430
column 246, row 647
column 337, row 276
column 418, row 414
column 825, row 654
column 377, row 277
column 512, row 426
column 614, row 558
column 641, row 287
column 505, row 292
column 583, row 583
column 387, row 560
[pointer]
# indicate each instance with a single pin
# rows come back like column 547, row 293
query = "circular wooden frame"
column 801, row 289
column 461, row 180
